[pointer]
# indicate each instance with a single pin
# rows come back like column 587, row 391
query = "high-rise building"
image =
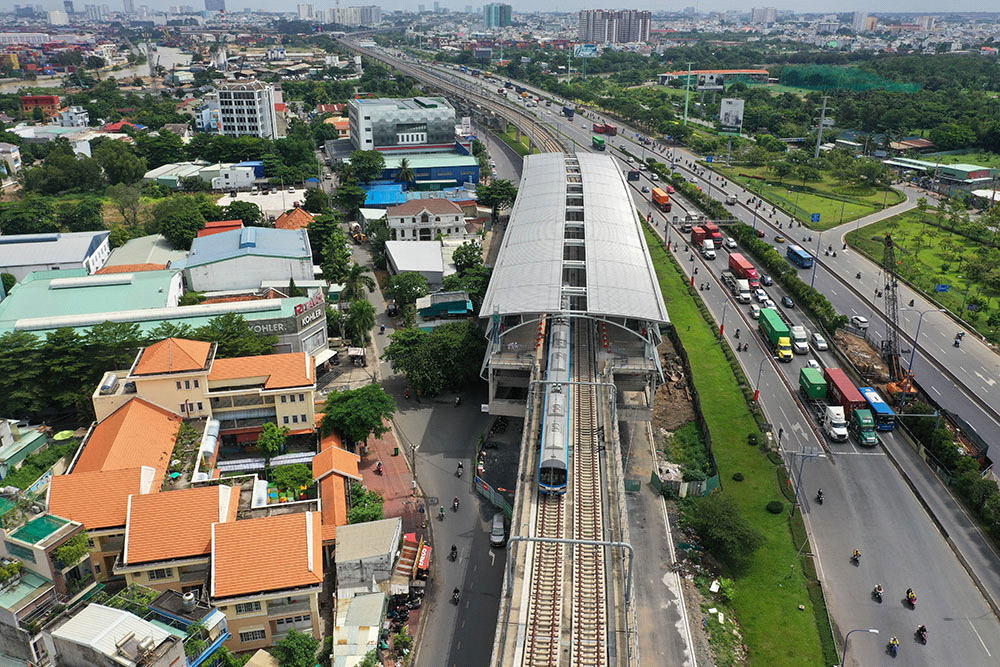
column 68, row 6
column 497, row 15
column 306, row 12
column 859, row 22
column 371, row 15
column 130, row 6
column 247, row 108
column 58, row 17
column 215, row 5
column 763, row 15
column 609, row 26
column 437, row 7
column 927, row 22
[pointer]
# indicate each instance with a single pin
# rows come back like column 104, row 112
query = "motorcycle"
column 459, row 471
column 858, row 276
column 877, row 592
column 958, row 342
column 922, row 634
column 454, row 505
column 856, row 558
column 454, row 553
column 893, row 647
column 458, row 401
column 819, row 497
column 456, row 595
column 911, row 597
column 378, row 468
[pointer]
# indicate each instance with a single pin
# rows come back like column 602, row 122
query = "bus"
column 799, row 257
column 885, row 418
column 598, row 142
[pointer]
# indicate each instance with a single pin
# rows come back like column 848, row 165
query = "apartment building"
column 243, row 393
column 497, row 15
column 247, row 108
column 280, row 591
column 603, row 26
column 49, row 104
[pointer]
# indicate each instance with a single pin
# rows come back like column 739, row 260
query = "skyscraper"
column 609, row 26
column 130, row 6
column 497, row 15
column 764, row 15
column 68, row 7
column 860, row 22
column 215, row 5
column 306, row 11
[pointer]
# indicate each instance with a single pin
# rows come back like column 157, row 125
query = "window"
column 183, row 407
column 200, row 407
column 302, row 398
column 248, row 607
column 97, row 568
column 195, row 384
column 178, row 384
column 162, row 573
column 286, row 419
column 253, row 636
column 187, row 384
column 284, row 399
column 303, row 418
column 295, row 419
column 292, row 620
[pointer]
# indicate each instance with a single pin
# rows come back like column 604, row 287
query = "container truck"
column 714, row 233
column 862, row 427
column 843, row 392
column 633, row 174
column 815, row 391
column 698, row 234
column 598, row 142
column 800, row 339
column 775, row 333
column 739, row 265
column 568, row 111
column 739, row 287
column 661, row 199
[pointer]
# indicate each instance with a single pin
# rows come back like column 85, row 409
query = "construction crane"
column 890, row 345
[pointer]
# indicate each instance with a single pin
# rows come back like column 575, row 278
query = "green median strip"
column 771, row 588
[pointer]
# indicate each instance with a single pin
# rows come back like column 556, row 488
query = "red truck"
column 842, row 391
column 604, row 128
column 662, row 200
column 598, row 128
column 698, row 234
column 714, row 233
column 739, row 265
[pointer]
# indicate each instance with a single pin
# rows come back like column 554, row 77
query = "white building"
column 859, row 22
column 10, row 156
column 247, row 108
column 425, row 219
column 21, row 254
column 233, row 177
column 306, row 11
column 58, row 17
column 74, row 117
column 765, row 15
column 242, row 258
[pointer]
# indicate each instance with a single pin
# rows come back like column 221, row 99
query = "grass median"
column 771, row 589
column 510, row 137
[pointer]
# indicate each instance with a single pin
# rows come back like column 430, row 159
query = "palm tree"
column 355, row 283
column 359, row 322
column 406, row 174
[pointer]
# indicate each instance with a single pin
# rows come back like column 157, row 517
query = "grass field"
column 510, row 137
column 980, row 158
column 767, row 596
column 834, row 202
column 922, row 253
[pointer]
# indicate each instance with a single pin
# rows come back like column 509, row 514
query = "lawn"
column 980, row 158
column 510, row 137
column 924, row 261
column 834, row 202
column 767, row 597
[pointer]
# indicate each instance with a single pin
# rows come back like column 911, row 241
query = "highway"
column 869, row 504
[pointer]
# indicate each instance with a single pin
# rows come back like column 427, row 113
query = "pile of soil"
column 672, row 406
column 864, row 357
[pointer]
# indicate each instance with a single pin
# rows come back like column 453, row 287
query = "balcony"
column 278, row 610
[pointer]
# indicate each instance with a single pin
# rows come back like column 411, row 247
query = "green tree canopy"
column 365, row 505
column 357, row 413
column 319, row 230
column 467, row 256
column 292, row 477
column 297, row 649
column 234, row 337
column 350, row 197
column 160, row 150
column 498, row 194
column 359, row 322
column 246, row 211
column 446, row 358
column 119, row 162
column 723, row 530
column 83, row 215
column 179, row 219
column 367, row 166
column 271, row 440
column 127, row 200
column 357, row 281
column 316, row 201
column 337, row 258
column 407, row 287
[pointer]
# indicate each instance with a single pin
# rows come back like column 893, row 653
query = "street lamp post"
column 756, row 391
column 843, row 656
column 722, row 327
column 805, row 456
column 913, row 352
column 812, row 282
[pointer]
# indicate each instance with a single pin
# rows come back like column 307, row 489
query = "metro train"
column 553, row 457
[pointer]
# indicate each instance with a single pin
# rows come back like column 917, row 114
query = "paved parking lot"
column 274, row 203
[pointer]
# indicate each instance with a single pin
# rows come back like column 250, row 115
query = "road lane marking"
column 978, row 637
column 989, row 381
column 493, row 558
column 936, row 391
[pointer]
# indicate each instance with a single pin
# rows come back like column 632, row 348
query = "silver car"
column 819, row 342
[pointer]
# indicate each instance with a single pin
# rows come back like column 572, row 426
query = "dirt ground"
column 672, row 406
column 864, row 357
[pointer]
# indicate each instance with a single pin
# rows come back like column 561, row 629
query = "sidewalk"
column 395, row 484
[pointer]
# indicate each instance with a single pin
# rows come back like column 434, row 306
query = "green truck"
column 775, row 333
column 812, row 384
column 862, row 427
column 598, row 143
column 829, row 416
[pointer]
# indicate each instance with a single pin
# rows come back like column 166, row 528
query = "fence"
column 495, row 497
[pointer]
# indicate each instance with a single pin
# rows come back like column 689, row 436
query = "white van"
column 708, row 249
column 498, row 531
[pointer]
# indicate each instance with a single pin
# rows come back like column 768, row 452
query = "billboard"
column 731, row 117
column 585, row 51
column 710, row 81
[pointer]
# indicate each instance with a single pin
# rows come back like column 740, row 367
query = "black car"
column 766, row 281
column 787, row 302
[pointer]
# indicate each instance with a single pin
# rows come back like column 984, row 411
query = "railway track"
column 547, row 572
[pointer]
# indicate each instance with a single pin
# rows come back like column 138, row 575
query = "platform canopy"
column 574, row 243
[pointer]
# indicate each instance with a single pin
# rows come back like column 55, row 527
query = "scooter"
column 819, row 497
column 456, row 595
column 958, row 342
column 454, row 553
column 458, row 401
column 454, row 505
column 856, row 558
column 378, row 468
column 877, row 592
column 912, row 599
column 922, row 634
column 459, row 471
column 893, row 647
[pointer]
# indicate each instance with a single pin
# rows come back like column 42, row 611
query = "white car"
column 654, row 177
column 819, row 342
column 768, row 303
column 812, row 363
column 859, row 322
column 730, row 243
column 760, row 295
column 755, row 311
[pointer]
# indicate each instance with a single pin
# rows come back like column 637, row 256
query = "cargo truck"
column 661, row 199
column 708, row 249
column 568, row 111
column 739, row 265
column 775, row 333
column 862, row 427
column 598, row 142
column 815, row 391
column 739, row 287
column 698, row 234
column 843, row 392
column 800, row 339
column 714, row 233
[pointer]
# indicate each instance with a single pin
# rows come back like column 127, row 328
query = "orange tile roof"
column 136, row 434
column 99, row 499
column 219, row 226
column 336, row 460
column 173, row 355
column 177, row 524
column 297, row 218
column 130, row 268
column 294, row 369
column 333, row 498
column 291, row 545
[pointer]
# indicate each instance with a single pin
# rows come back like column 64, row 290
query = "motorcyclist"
column 460, row 468
column 910, row 595
column 878, row 590
column 456, row 595
column 441, row 512
column 856, row 555
column 819, row 495
column 894, row 645
column 922, row 630
column 737, row 334
column 454, row 503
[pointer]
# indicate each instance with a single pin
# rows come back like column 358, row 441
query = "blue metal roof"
column 258, row 241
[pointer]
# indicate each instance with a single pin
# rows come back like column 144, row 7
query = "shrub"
column 776, row 507
column 738, row 477
column 753, row 439
column 723, row 530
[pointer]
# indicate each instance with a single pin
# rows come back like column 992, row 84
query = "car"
column 642, row 167
column 654, row 177
column 760, row 233
column 755, row 311
column 731, row 200
column 291, row 188
column 787, row 302
column 859, row 322
column 645, row 188
column 768, row 303
column 498, row 531
column 731, row 243
column 819, row 342
column 812, row 363
column 629, row 159
column 670, row 189
column 761, row 295
column 766, row 280
column 779, row 239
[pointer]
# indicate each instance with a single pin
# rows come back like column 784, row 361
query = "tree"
column 95, row 62
column 367, row 166
column 336, row 256
column 723, row 530
column 357, row 413
column 85, row 215
column 21, row 371
column 316, row 200
column 365, row 505
column 472, row 281
column 500, row 193
column 319, row 230
column 446, row 358
column 467, row 256
column 350, row 197
column 405, row 174
column 246, row 211
column 405, row 288
column 297, row 649
column 356, row 282
column 160, row 150
column 179, row 219
column 30, row 215
column 127, row 200
column 119, row 162
column 234, row 337
column 292, row 477
column 359, row 323
column 271, row 441
column 64, row 350
column 9, row 280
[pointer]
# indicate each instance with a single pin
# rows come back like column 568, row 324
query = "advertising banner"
column 731, row 117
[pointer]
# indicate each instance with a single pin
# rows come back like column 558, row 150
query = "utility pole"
column 687, row 94
column 819, row 132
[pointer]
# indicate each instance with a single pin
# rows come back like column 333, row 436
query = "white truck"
column 708, row 249
column 834, row 423
column 739, row 287
column 800, row 339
